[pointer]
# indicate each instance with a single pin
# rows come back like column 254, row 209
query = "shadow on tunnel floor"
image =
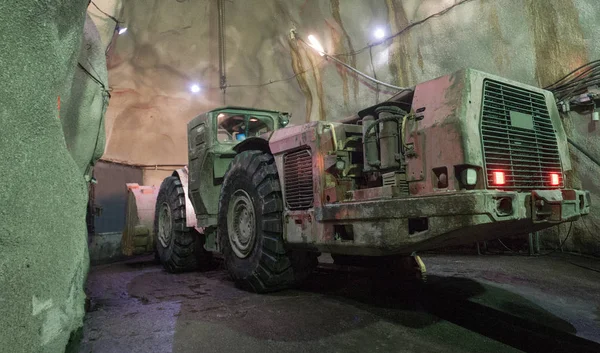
column 310, row 312
column 488, row 310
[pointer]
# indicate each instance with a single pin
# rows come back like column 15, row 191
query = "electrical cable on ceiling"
column 374, row 75
column 98, row 81
column 576, row 82
column 405, row 29
column 573, row 83
column 117, row 23
column 571, row 73
column 327, row 56
column 106, row 14
column 280, row 80
column 414, row 24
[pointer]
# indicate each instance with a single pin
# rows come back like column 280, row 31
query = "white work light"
column 379, row 33
column 316, row 45
column 195, row 88
column 469, row 176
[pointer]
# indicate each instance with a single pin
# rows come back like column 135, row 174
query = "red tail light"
column 499, row 178
column 554, row 179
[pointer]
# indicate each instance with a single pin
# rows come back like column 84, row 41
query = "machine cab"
column 212, row 137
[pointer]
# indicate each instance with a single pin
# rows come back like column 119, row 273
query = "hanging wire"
column 561, row 244
column 106, row 14
column 374, row 75
column 98, row 81
column 403, row 30
column 576, row 81
column 327, row 56
column 270, row 82
column 333, row 56
column 585, row 66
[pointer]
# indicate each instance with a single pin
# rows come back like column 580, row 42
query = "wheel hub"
column 241, row 224
column 164, row 225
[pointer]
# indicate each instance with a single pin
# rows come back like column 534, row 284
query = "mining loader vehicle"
column 462, row 158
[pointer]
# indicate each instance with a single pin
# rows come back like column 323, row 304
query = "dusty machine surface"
column 465, row 157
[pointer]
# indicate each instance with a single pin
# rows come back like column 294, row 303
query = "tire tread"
column 277, row 267
column 185, row 254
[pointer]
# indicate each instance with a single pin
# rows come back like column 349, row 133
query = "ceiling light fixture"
column 316, row 45
column 195, row 88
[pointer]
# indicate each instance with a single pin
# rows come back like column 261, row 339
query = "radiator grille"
column 518, row 138
column 298, row 178
column 396, row 179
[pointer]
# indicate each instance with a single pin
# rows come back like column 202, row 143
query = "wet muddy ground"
column 468, row 304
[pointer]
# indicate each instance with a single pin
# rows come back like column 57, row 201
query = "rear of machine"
column 468, row 156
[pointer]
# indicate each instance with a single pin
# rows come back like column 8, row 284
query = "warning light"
column 499, row 178
column 554, row 179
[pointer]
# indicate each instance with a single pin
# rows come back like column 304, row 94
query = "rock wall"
column 172, row 44
column 51, row 113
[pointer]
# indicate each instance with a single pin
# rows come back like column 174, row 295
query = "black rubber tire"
column 269, row 266
column 184, row 250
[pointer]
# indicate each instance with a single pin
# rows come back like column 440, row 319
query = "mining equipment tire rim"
column 164, row 225
column 241, row 224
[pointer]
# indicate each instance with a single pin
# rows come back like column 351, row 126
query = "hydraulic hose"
column 401, row 118
column 371, row 127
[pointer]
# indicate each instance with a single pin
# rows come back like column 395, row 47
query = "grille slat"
column 524, row 175
column 541, row 128
column 516, row 101
column 527, row 156
column 543, row 132
column 298, row 178
column 524, row 150
column 549, row 165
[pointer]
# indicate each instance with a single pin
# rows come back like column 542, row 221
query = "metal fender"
column 190, row 213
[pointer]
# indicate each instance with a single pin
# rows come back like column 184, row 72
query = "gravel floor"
column 468, row 304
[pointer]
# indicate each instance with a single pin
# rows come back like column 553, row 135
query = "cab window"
column 233, row 128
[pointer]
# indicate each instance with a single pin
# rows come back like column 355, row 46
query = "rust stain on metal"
column 558, row 39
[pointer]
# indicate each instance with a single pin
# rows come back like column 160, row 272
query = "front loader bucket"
column 139, row 220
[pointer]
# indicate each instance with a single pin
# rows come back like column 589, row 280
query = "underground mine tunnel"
column 299, row 176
